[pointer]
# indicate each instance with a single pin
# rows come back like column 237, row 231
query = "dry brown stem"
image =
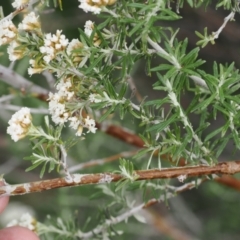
column 83, row 179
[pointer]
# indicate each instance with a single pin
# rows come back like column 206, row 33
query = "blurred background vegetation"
column 210, row 212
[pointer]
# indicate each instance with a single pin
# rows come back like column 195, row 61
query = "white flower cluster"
column 8, row 32
column 19, row 3
column 78, row 125
column 94, row 6
column 60, row 103
column 90, row 124
column 35, row 68
column 61, row 114
column 57, row 102
column 75, row 56
column 26, row 220
column 88, row 28
column 30, row 22
column 14, row 54
column 52, row 45
column 19, row 124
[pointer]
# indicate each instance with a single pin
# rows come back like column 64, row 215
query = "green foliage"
column 47, row 147
column 128, row 34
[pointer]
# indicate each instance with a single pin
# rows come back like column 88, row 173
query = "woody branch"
column 96, row 178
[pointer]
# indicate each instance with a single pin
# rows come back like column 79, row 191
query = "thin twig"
column 134, row 210
column 50, row 80
column 6, row 98
column 164, row 225
column 133, row 88
column 17, row 11
column 17, row 81
column 101, row 161
column 16, row 108
column 229, row 181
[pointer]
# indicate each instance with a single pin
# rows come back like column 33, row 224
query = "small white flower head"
column 88, row 28
column 65, row 88
column 30, row 22
column 77, row 122
column 94, row 6
column 74, row 122
column 26, row 220
column 89, row 6
column 31, row 71
column 57, row 102
column 73, row 45
column 90, row 124
column 19, row 124
column 36, row 67
column 57, row 108
column 8, row 32
column 75, row 56
column 19, row 3
column 14, row 53
column 53, row 43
